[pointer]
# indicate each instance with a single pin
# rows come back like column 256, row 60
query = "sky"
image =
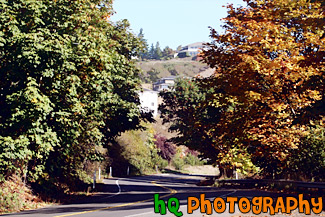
column 173, row 22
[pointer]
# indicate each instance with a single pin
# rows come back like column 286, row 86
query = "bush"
column 136, row 149
column 15, row 196
column 159, row 161
column 178, row 162
column 166, row 149
column 307, row 162
column 193, row 160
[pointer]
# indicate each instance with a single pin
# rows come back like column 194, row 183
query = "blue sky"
column 173, row 22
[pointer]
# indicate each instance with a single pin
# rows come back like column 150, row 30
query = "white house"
column 149, row 101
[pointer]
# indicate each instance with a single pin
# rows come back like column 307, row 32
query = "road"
column 134, row 197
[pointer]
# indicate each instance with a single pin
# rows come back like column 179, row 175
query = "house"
column 149, row 101
column 164, row 83
column 191, row 50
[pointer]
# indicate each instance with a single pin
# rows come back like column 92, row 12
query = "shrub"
column 136, row 149
column 166, row 149
column 159, row 161
column 307, row 162
column 193, row 160
column 15, row 196
column 178, row 162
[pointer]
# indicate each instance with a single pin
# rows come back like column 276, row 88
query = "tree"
column 157, row 53
column 144, row 54
column 188, row 109
column 307, row 161
column 153, row 75
column 168, row 52
column 183, row 108
column 152, row 52
column 68, row 86
column 270, row 67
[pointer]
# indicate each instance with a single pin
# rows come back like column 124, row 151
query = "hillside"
column 155, row 69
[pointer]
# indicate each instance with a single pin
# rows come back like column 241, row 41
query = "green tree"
column 157, row 53
column 152, row 52
column 196, row 121
column 153, row 75
column 183, row 108
column 168, row 53
column 307, row 162
column 68, row 86
column 144, row 54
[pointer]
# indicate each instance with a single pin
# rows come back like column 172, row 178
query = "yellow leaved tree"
column 270, row 70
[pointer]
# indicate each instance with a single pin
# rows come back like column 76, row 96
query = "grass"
column 15, row 196
column 177, row 67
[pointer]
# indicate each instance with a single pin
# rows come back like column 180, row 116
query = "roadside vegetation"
column 15, row 196
column 140, row 152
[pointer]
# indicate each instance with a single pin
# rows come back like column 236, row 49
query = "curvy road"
column 134, row 197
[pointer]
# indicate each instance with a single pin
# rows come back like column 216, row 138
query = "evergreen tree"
column 144, row 53
column 152, row 52
column 157, row 52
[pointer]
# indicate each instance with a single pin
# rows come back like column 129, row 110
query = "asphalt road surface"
column 134, row 197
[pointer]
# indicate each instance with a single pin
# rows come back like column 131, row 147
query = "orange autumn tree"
column 270, row 67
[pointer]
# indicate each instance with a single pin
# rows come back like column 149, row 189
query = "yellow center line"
column 172, row 192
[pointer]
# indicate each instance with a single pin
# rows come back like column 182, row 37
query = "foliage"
column 181, row 159
column 269, row 82
column 154, row 52
column 183, row 108
column 157, row 52
column 151, row 76
column 68, row 86
column 193, row 160
column 15, row 196
column 136, row 149
column 168, row 53
column 178, row 162
column 308, row 160
column 270, row 69
column 143, row 54
column 166, row 149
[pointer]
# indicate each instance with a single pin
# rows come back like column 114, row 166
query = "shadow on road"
column 138, row 192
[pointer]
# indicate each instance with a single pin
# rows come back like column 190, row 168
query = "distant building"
column 191, row 50
column 149, row 101
column 164, row 83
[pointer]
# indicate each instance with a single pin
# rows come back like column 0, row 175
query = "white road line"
column 119, row 191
